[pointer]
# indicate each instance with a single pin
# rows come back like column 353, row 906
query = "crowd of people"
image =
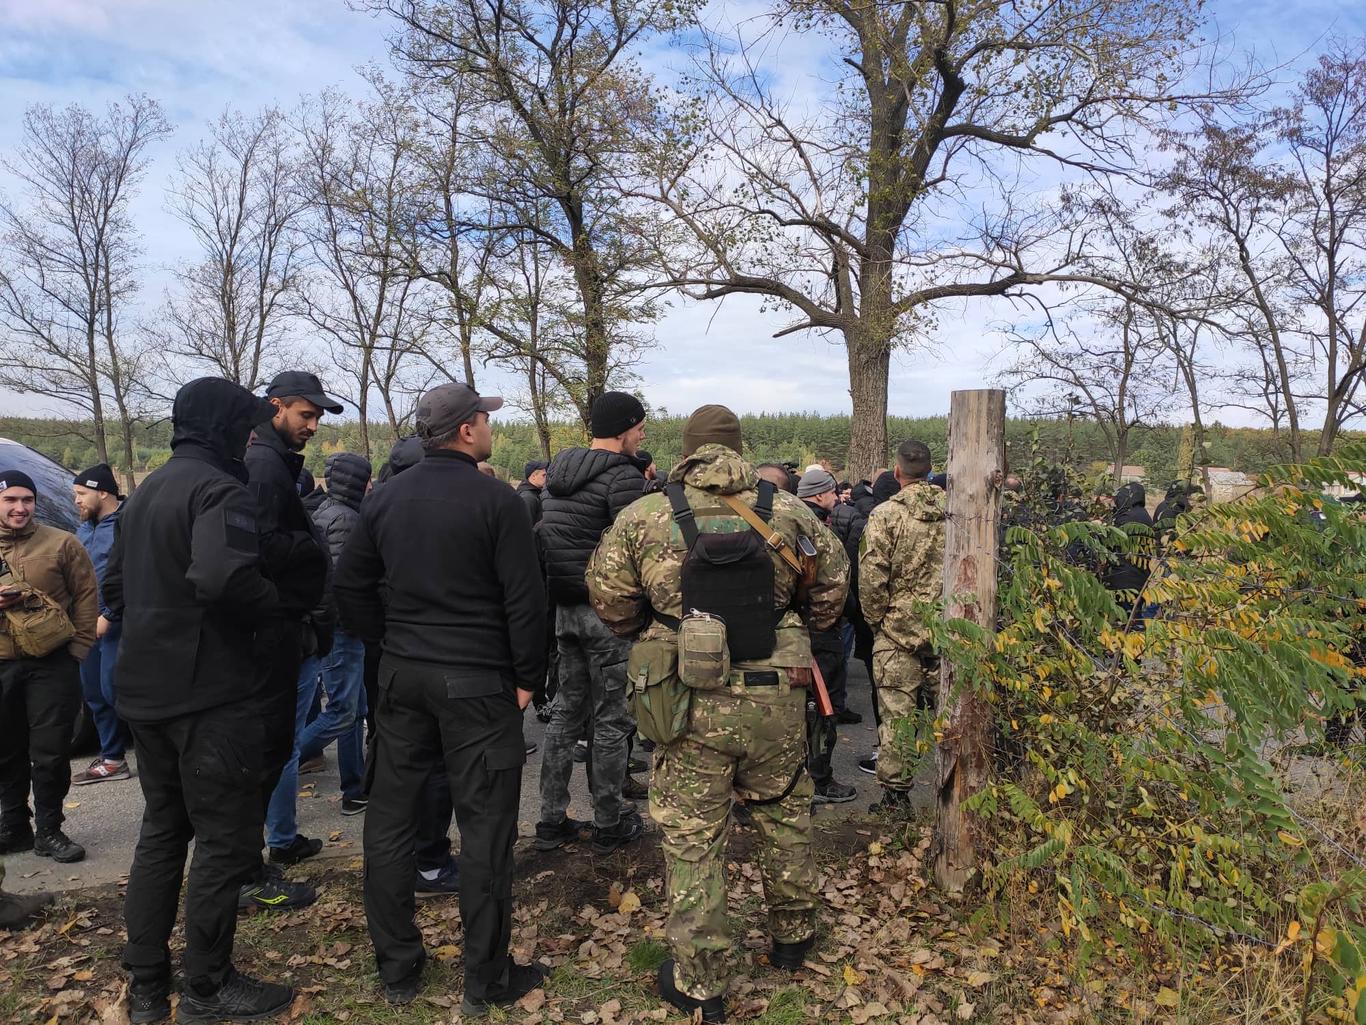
column 231, row 620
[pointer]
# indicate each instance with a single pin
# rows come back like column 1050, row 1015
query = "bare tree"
column 898, row 187
column 362, row 295
column 238, row 193
column 68, row 266
column 564, row 97
column 1324, row 230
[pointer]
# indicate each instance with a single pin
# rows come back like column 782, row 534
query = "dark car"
column 56, row 509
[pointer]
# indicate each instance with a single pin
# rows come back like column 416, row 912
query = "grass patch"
column 785, row 1007
column 646, row 956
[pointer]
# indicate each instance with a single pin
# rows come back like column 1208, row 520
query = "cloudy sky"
column 199, row 56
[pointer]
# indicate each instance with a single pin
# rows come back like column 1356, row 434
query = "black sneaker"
column 522, row 979
column 637, row 765
column 149, row 1002
column 869, row 764
column 645, row 744
column 550, row 835
column 54, row 844
column 240, row 998
column 300, row 848
column 581, row 751
column 713, row 1008
column 350, row 807
column 634, row 790
column 17, row 910
column 16, row 839
column 530, row 748
column 272, row 893
column 628, row 828
column 791, row 955
column 847, row 717
column 447, row 881
column 834, row 793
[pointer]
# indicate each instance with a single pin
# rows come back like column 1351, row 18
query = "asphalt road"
column 105, row 817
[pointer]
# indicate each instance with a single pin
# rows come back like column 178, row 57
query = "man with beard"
column 295, row 558
column 98, row 502
column 461, row 616
column 185, row 579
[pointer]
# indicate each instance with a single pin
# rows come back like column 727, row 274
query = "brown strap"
column 775, row 540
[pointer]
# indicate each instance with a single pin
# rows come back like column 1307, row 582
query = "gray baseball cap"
column 447, row 406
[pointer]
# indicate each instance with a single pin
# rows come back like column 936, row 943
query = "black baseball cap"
column 289, row 383
column 447, row 406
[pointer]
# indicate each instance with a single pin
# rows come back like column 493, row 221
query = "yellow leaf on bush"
column 1289, row 839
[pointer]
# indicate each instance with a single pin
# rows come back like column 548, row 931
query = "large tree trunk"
column 976, row 468
column 870, row 360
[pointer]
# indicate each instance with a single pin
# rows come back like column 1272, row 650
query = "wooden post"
column 976, row 470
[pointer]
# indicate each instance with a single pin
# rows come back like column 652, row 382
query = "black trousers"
column 201, row 779
column 434, row 820
column 423, row 717
column 278, row 702
column 39, row 701
column 828, row 650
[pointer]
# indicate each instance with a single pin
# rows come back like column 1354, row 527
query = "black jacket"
column 184, row 574
column 585, row 489
column 294, row 554
column 1125, row 574
column 346, row 474
column 456, row 554
column 530, row 495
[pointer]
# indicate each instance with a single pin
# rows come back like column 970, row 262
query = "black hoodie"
column 1124, row 574
column 184, row 573
column 585, row 489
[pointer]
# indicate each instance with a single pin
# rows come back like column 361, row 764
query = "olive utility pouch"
column 703, row 651
column 660, row 701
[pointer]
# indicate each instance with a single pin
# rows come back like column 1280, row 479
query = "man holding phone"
column 48, row 597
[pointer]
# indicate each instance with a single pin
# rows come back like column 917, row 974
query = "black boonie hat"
column 288, row 383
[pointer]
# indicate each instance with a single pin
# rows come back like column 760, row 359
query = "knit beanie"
column 17, row 479
column 711, row 425
column 815, row 482
column 99, row 477
column 614, row 413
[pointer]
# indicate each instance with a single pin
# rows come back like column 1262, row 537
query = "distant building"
column 1223, row 484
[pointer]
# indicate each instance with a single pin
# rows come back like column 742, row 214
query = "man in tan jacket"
column 39, row 695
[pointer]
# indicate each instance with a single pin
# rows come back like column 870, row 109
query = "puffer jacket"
column 585, row 490
column 347, row 475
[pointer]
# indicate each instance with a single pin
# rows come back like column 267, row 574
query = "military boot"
column 18, row 909
column 713, row 1008
column 791, row 955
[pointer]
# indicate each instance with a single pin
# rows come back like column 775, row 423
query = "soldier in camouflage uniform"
column 901, row 561
column 746, row 739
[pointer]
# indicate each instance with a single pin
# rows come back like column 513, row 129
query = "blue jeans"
column 282, row 824
column 343, row 670
column 97, row 687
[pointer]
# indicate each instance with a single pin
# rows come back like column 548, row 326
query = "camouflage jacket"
column 901, row 561
column 638, row 565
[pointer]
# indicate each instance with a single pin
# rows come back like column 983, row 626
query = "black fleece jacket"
column 455, row 555
column 185, row 572
column 585, row 489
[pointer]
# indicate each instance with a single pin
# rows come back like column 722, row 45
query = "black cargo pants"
column 201, row 777
column 39, row 701
column 471, row 721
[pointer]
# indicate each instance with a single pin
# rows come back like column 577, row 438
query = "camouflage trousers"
column 900, row 674
column 746, row 744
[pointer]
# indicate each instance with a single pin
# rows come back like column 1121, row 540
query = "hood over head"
column 407, row 452
column 716, row 468
column 1129, row 497
column 573, row 468
column 216, row 414
column 885, row 486
column 346, row 474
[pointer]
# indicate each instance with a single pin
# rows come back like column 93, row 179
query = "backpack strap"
column 683, row 514
column 775, row 540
